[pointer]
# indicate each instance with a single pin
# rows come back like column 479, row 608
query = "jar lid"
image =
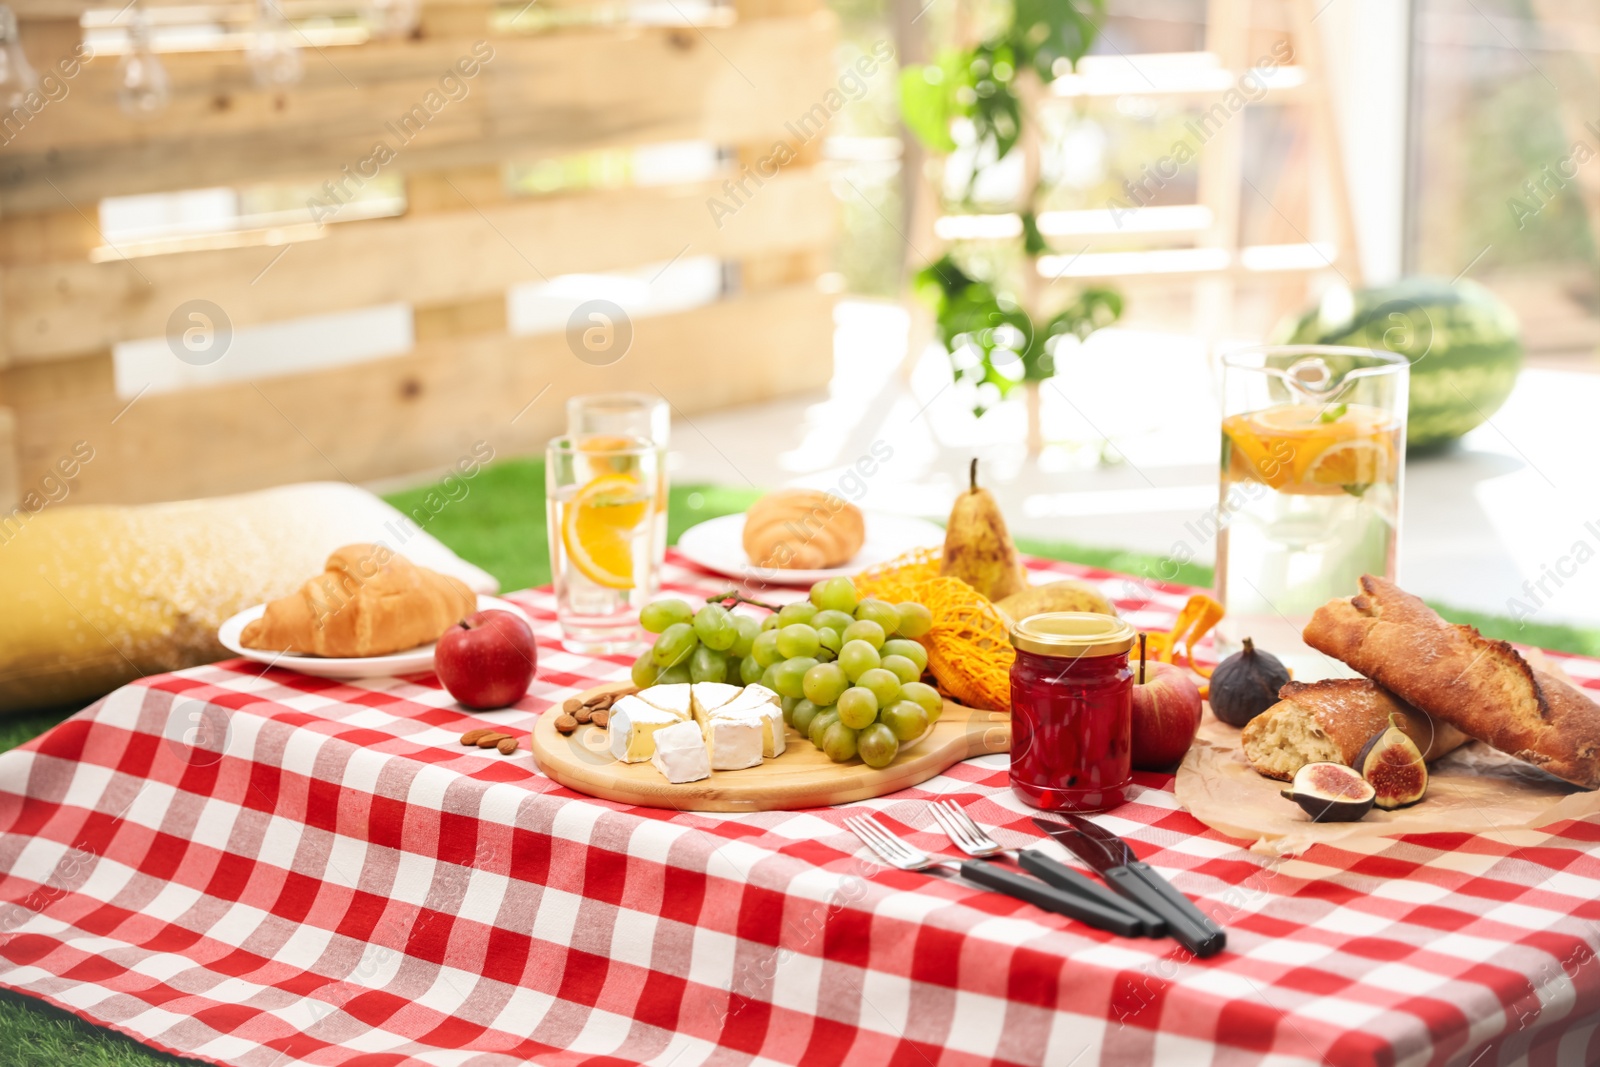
column 1073, row 633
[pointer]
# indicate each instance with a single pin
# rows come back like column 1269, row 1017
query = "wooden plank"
column 427, row 408
column 33, row 384
column 10, row 485
column 537, row 96
column 429, row 258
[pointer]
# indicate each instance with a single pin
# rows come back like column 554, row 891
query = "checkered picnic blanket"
column 255, row 867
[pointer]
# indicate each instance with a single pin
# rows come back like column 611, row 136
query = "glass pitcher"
column 1313, row 460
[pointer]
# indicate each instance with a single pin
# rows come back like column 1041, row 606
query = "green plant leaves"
column 1052, row 35
column 927, row 104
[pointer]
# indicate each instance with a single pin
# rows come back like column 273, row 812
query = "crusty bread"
column 1330, row 721
column 802, row 529
column 367, row 602
column 1483, row 688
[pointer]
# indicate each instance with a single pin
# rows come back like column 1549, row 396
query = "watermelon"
column 1462, row 341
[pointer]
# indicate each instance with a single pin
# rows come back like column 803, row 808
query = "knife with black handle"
column 1133, row 878
column 1090, row 912
column 1063, row 877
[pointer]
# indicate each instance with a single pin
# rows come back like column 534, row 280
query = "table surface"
column 250, row 866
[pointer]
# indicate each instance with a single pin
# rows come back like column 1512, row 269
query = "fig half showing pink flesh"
column 1331, row 792
column 1393, row 766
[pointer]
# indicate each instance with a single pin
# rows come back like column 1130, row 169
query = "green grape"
column 857, row 658
column 677, row 674
column 925, row 695
column 877, row 746
column 868, row 631
column 800, row 718
column 880, row 612
column 912, row 651
column 765, row 648
column 749, row 629
column 798, row 640
column 901, row 668
column 750, row 670
column 645, row 670
column 839, row 743
column 818, row 726
column 915, row 620
column 831, row 620
column 770, row 622
column 675, row 645
column 706, row 665
column 788, row 704
column 858, row 707
column 830, row 640
column 660, row 614
column 799, row 611
column 715, row 628
column 824, row 682
column 885, row 685
column 834, row 594
column 908, row 720
column 789, row 677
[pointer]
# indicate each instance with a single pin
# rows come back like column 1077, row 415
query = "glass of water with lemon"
column 1313, row 456
column 603, row 493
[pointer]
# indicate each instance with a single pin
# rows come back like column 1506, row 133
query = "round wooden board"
column 800, row 778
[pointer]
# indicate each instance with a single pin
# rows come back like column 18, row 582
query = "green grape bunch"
column 849, row 669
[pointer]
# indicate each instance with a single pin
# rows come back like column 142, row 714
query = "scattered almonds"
column 471, row 737
column 566, row 723
column 599, row 718
column 507, row 746
column 582, row 714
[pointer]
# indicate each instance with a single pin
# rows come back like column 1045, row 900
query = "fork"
column 972, row 839
column 897, row 853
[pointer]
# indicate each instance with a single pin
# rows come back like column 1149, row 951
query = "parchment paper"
column 1472, row 790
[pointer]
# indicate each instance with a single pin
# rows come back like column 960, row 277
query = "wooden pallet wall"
column 463, row 241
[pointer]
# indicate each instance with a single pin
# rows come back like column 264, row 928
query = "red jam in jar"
column 1071, row 711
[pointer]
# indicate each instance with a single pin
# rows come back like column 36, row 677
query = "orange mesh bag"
column 969, row 647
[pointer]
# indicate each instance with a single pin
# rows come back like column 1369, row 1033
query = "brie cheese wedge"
column 736, row 740
column 632, row 728
column 681, row 753
column 674, row 698
column 764, row 702
column 709, row 696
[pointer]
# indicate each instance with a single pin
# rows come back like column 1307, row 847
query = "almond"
column 491, row 739
column 507, row 746
column 566, row 723
column 471, row 736
column 583, row 714
column 571, row 704
column 600, row 718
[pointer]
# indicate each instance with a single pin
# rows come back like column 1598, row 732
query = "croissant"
column 802, row 529
column 367, row 602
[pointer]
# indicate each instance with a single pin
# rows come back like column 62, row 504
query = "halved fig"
column 1393, row 766
column 1330, row 792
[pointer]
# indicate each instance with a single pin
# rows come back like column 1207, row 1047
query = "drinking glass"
column 612, row 415
column 1313, row 459
column 602, row 498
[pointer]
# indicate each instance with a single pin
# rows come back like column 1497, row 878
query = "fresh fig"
column 1393, row 766
column 1331, row 792
column 1246, row 684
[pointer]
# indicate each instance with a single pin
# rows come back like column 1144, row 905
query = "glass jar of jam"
column 1071, row 710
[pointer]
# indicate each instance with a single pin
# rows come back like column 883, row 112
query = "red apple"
column 487, row 659
column 1166, row 715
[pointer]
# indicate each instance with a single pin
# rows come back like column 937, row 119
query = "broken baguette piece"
column 1330, row 721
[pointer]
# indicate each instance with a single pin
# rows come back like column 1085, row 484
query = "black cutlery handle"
column 1089, row 912
column 1203, row 939
column 1212, row 937
column 1063, row 877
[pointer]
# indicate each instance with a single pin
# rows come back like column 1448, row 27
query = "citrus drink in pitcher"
column 1310, row 493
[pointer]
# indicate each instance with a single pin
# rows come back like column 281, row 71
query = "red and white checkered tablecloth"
column 256, row 867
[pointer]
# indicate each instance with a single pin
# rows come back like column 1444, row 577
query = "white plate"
column 718, row 545
column 408, row 662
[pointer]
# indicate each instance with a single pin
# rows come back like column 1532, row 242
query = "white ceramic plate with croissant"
column 718, row 545
column 411, row 661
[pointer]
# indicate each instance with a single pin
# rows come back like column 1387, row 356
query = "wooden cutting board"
column 800, row 778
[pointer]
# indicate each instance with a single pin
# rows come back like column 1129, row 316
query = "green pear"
column 977, row 548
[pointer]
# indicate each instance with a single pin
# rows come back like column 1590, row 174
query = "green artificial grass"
column 500, row 526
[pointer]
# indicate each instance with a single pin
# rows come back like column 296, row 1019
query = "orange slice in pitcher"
column 1359, row 462
column 600, row 525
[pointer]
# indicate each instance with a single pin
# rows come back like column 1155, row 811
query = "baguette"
column 1330, row 721
column 1483, row 688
